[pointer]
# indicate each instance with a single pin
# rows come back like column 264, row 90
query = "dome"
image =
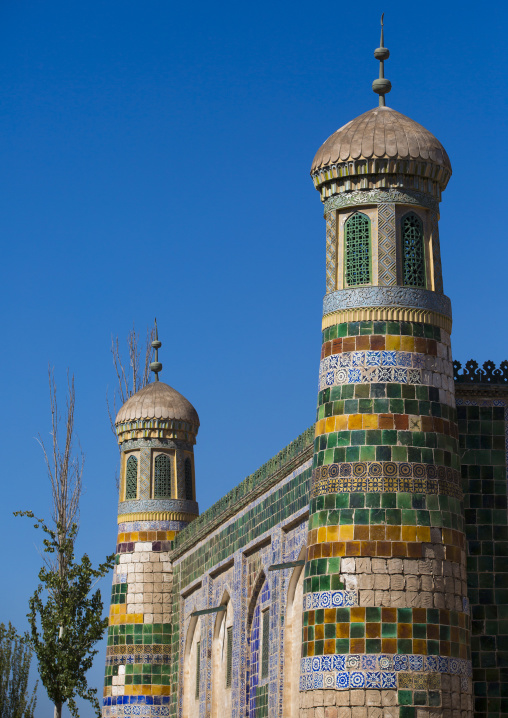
column 383, row 133
column 157, row 401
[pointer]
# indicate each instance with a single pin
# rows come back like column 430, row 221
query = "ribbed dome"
column 381, row 133
column 157, row 401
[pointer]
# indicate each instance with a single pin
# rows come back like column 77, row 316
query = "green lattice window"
column 413, row 256
column 188, row 480
column 357, row 232
column 198, row 666
column 131, row 478
column 265, row 644
column 229, row 655
column 162, row 477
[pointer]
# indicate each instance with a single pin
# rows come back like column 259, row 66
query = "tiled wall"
column 483, row 422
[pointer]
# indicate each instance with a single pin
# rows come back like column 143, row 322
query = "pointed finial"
column 382, row 86
column 156, row 366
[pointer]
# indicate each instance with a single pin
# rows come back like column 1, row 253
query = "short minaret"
column 386, row 618
column 156, row 430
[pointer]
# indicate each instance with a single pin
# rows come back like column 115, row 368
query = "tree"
column 65, row 618
column 15, row 658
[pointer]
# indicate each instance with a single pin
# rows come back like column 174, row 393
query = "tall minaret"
column 386, row 619
column 156, row 430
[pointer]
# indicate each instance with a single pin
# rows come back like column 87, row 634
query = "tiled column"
column 386, row 620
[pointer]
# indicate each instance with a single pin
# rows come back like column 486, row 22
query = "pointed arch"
column 357, row 265
column 222, row 647
column 192, row 669
column 293, row 641
column 413, row 253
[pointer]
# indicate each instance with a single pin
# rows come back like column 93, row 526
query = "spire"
column 382, row 86
column 156, row 366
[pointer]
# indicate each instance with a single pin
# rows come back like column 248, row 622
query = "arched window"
column 189, row 494
column 162, row 477
column 357, row 232
column 413, row 257
column 131, row 478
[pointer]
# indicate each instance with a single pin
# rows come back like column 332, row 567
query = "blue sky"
column 155, row 161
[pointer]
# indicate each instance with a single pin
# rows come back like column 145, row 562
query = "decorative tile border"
column 342, row 672
column 329, row 599
column 412, row 297
column 137, row 506
column 380, row 196
column 390, row 469
column 385, row 358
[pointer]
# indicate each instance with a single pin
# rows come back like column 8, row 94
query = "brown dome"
column 157, row 401
column 381, row 133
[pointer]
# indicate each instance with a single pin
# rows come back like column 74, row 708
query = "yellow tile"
column 355, row 421
column 409, row 533
column 392, row 342
column 341, row 422
column 407, row 344
column 423, row 533
column 329, row 424
column 332, row 533
column 346, row 533
column 320, row 427
column 321, row 534
column 370, row 421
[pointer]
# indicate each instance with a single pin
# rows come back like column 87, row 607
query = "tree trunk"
column 58, row 710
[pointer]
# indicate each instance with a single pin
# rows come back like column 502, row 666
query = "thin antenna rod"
column 382, row 86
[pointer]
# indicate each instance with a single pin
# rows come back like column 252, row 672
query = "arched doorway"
column 293, row 642
column 222, row 660
column 258, row 650
column 192, row 669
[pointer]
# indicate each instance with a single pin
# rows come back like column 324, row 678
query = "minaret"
column 156, row 431
column 386, row 620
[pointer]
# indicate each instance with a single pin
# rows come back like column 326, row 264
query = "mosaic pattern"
column 386, row 297
column 329, row 599
column 387, row 259
column 331, row 252
column 131, row 507
column 380, row 196
column 255, row 674
column 386, row 477
column 413, row 257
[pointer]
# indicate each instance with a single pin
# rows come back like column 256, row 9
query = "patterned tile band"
column 387, row 476
column 387, row 297
column 158, row 505
column 380, row 196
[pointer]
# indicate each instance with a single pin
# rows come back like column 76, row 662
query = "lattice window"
column 189, row 495
column 162, row 478
column 229, row 656
column 266, row 644
column 357, row 230
column 131, row 478
column 198, row 666
column 413, row 256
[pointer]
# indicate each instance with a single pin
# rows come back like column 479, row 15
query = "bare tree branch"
column 132, row 375
column 64, row 465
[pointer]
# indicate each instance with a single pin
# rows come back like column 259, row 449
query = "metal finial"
column 382, row 86
column 156, row 366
